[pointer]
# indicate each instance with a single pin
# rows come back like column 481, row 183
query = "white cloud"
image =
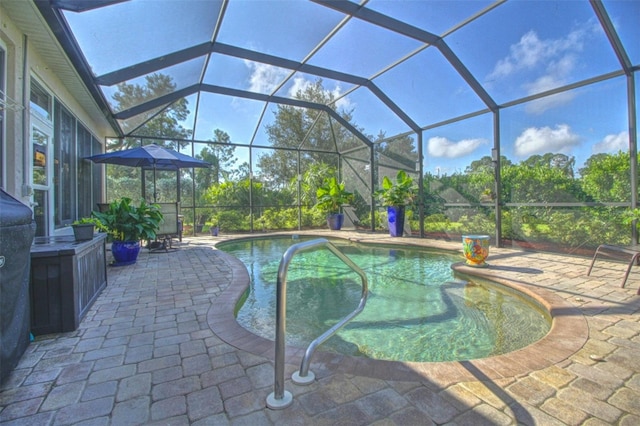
column 530, row 52
column 343, row 103
column 545, row 139
column 539, row 106
column 556, row 76
column 552, row 60
column 439, row 146
column 300, row 84
column 264, row 78
column 525, row 54
column 613, row 143
column 557, row 72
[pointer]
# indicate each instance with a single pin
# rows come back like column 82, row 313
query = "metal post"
column 280, row 398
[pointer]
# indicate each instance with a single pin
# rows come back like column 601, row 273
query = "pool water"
column 416, row 311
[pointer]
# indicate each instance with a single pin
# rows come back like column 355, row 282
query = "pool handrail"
column 280, row 398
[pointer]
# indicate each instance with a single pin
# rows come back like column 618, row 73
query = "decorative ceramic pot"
column 475, row 249
column 125, row 252
column 395, row 217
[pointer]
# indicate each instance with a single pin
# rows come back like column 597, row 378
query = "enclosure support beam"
column 372, row 186
column 420, row 184
column 633, row 149
column 497, row 169
column 299, row 191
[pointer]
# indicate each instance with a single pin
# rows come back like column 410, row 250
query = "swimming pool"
column 417, row 310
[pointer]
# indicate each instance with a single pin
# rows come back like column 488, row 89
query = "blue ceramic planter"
column 125, row 252
column 395, row 216
column 335, row 221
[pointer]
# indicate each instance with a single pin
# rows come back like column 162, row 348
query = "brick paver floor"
column 160, row 346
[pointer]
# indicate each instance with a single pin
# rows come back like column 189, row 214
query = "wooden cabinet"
column 66, row 278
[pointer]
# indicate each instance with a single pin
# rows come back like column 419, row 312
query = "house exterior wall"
column 13, row 157
column 23, row 36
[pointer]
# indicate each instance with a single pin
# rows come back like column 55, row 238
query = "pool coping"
column 568, row 334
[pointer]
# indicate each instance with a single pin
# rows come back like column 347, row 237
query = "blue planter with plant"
column 395, row 218
column 330, row 197
column 396, row 196
column 335, row 221
column 128, row 225
column 125, row 252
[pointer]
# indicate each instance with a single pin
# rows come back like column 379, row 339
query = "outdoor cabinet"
column 66, row 278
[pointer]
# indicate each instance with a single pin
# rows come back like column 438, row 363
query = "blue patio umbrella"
column 152, row 157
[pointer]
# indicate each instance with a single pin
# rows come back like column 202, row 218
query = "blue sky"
column 518, row 49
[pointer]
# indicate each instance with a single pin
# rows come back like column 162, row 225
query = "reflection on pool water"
column 416, row 311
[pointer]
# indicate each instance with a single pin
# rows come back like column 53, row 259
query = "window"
column 96, row 176
column 78, row 182
column 40, row 100
column 64, row 167
column 42, row 164
column 89, row 177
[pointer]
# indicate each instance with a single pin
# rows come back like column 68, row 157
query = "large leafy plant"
column 331, row 196
column 398, row 193
column 127, row 222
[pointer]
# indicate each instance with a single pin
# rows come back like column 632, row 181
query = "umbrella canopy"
column 150, row 157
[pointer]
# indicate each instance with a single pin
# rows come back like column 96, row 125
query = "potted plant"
column 83, row 228
column 487, row 196
column 127, row 225
column 329, row 199
column 396, row 196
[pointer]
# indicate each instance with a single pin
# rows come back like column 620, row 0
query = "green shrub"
column 276, row 219
column 477, row 224
column 229, row 220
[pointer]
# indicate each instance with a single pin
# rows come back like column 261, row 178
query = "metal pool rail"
column 280, row 398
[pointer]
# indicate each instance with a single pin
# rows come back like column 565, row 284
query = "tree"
column 606, row 177
column 540, row 183
column 481, row 177
column 312, row 179
column 221, row 157
column 311, row 130
column 555, row 161
column 165, row 125
column 399, row 151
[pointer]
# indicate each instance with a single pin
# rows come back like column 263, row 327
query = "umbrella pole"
column 143, row 185
column 155, row 194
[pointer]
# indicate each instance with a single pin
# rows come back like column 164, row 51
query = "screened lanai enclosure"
column 517, row 119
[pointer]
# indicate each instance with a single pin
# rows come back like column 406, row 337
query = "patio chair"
column 170, row 228
column 616, row 252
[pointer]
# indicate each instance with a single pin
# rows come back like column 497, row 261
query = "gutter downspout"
column 26, row 188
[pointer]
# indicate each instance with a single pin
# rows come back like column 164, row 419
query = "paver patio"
column 160, row 347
